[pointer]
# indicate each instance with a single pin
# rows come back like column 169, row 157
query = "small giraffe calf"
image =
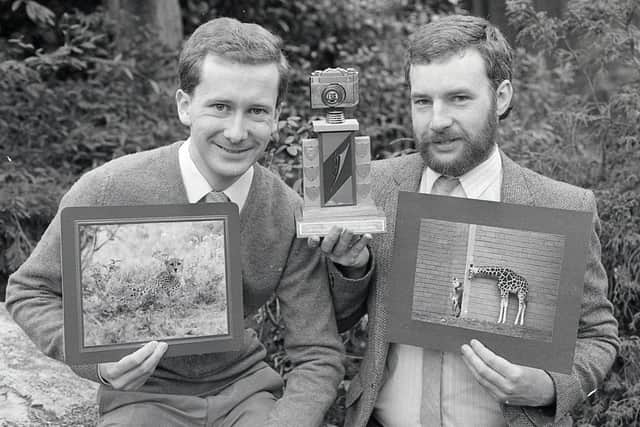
column 456, row 296
column 509, row 282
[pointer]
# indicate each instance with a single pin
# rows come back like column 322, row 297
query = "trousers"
column 244, row 403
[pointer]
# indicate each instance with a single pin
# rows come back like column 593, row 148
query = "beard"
column 476, row 149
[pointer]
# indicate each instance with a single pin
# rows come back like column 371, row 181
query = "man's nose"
column 441, row 119
column 236, row 130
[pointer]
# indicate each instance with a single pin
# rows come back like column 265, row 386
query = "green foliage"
column 576, row 119
column 68, row 105
column 71, row 101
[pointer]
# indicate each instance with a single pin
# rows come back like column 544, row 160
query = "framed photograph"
column 134, row 274
column 508, row 275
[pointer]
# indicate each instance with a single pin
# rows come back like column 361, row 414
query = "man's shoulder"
column 141, row 162
column 132, row 174
column 392, row 165
column 559, row 194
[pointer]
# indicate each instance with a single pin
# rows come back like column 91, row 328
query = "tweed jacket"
column 597, row 342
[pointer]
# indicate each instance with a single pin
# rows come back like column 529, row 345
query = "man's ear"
column 183, row 102
column 504, row 94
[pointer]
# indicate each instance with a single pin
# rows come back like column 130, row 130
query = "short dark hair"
column 452, row 34
column 244, row 43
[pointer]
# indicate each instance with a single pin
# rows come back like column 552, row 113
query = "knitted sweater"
column 273, row 260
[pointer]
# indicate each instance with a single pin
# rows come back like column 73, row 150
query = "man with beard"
column 459, row 72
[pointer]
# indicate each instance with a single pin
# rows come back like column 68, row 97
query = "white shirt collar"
column 197, row 186
column 475, row 182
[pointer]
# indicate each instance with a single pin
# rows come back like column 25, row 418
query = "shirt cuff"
column 102, row 380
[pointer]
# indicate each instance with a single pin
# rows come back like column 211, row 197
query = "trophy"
column 337, row 164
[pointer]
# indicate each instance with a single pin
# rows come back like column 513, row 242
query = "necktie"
column 446, row 375
column 214, row 197
column 445, row 185
column 430, row 412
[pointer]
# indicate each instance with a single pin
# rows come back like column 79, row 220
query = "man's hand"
column 133, row 370
column 345, row 249
column 508, row 383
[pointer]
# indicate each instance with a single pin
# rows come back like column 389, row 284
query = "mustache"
column 441, row 137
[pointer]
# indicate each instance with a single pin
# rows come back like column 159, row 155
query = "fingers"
column 343, row 244
column 482, row 373
column 508, row 383
column 313, row 242
column 361, row 243
column 492, row 360
column 489, row 386
column 133, row 370
column 329, row 241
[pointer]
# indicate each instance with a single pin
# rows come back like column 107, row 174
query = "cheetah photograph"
column 152, row 281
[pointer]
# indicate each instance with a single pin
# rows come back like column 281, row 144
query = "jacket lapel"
column 407, row 176
column 515, row 187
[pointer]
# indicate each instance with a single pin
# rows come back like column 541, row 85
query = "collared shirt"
column 197, row 186
column 462, row 400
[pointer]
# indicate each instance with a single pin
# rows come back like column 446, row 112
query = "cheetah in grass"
column 167, row 282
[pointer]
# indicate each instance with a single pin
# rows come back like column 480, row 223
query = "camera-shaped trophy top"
column 334, row 89
column 336, row 164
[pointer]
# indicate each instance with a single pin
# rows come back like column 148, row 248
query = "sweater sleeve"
column 34, row 291
column 310, row 338
column 349, row 295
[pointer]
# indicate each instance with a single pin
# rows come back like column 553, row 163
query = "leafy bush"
column 70, row 109
column 70, row 101
column 576, row 118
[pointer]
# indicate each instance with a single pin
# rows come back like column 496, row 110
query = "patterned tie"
column 214, row 197
column 445, row 185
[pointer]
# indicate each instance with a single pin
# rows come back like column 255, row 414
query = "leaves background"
column 71, row 100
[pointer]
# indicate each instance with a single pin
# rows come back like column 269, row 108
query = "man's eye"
column 220, row 107
column 257, row 111
column 422, row 102
column 460, row 98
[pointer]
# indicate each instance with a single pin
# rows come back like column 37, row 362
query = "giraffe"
column 456, row 296
column 508, row 282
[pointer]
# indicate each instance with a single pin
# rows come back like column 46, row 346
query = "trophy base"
column 313, row 222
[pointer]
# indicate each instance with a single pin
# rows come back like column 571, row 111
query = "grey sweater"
column 273, row 260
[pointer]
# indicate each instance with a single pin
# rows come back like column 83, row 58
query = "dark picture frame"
column 440, row 239
column 133, row 274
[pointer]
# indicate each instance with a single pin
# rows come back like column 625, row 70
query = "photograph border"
column 72, row 217
column 575, row 226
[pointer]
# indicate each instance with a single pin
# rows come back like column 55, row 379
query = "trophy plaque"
column 337, row 164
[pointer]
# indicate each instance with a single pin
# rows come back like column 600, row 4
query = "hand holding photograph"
column 133, row 274
column 508, row 275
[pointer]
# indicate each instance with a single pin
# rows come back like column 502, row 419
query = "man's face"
column 232, row 114
column 453, row 109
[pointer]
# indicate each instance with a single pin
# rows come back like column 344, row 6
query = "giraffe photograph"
column 144, row 279
column 508, row 275
column 487, row 278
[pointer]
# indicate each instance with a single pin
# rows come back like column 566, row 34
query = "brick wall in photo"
column 442, row 251
column 536, row 256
